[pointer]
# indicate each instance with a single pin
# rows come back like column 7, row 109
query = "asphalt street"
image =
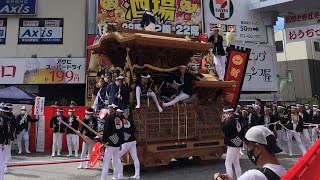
column 185, row 170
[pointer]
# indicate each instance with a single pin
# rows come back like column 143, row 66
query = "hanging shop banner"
column 182, row 17
column 237, row 66
column 39, row 106
column 41, row 31
column 261, row 69
column 18, row 7
column 305, row 19
column 42, row 71
column 248, row 25
column 303, row 33
column 3, row 30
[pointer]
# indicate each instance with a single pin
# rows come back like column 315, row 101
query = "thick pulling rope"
column 39, row 163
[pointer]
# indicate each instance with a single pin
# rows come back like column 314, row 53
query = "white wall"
column 74, row 33
column 292, row 51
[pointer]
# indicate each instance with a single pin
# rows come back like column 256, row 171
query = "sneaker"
column 19, row 152
column 137, row 107
column 76, row 155
column 290, row 155
column 53, row 155
column 69, row 155
column 86, row 167
column 80, row 167
column 28, row 152
column 241, row 153
column 135, row 177
column 59, row 154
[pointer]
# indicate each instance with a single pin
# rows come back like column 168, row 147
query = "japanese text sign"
column 302, row 17
column 18, row 7
column 235, row 14
column 41, row 31
column 236, row 71
column 42, row 71
column 303, row 33
column 39, row 106
column 173, row 16
column 3, row 30
column 261, row 69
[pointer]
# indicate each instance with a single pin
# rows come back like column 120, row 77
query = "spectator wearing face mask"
column 58, row 130
column 262, row 149
column 233, row 138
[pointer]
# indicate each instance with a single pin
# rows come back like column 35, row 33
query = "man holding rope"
column 58, row 130
column 72, row 138
column 92, row 122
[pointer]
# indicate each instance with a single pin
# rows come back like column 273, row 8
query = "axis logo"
column 221, row 9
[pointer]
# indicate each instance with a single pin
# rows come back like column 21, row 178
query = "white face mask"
column 58, row 113
column 86, row 116
column 226, row 116
column 106, row 79
column 117, row 83
column 70, row 114
column 23, row 112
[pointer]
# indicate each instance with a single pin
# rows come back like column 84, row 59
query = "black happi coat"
column 128, row 130
column 273, row 119
column 3, row 129
column 233, row 132
column 22, row 123
column 12, row 125
column 218, row 46
column 124, row 93
column 93, row 124
column 57, row 126
column 147, row 19
column 283, row 118
column 145, row 87
column 113, row 131
column 299, row 127
column 255, row 119
column 186, row 81
column 307, row 118
column 72, row 121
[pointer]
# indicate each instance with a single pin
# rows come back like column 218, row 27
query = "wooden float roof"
column 158, row 49
column 130, row 38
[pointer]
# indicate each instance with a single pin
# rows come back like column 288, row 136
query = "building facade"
column 298, row 61
column 298, row 68
column 43, row 48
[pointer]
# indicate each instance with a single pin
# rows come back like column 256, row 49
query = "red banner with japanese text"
column 236, row 71
column 182, row 17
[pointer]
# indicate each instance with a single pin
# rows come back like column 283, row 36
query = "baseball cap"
column 262, row 135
